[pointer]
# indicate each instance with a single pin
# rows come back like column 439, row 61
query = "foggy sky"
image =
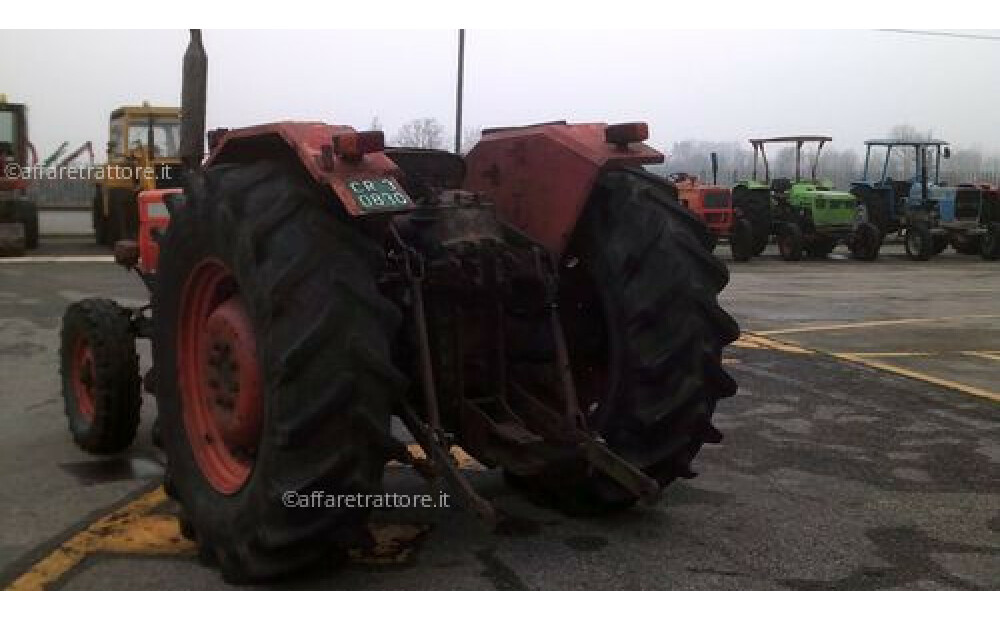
column 710, row 85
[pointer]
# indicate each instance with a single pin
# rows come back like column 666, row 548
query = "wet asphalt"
column 833, row 474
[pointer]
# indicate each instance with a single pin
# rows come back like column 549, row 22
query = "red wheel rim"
column 84, row 380
column 219, row 377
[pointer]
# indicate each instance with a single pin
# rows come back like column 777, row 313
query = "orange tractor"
column 542, row 303
column 713, row 205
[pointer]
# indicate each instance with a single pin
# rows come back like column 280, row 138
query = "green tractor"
column 804, row 215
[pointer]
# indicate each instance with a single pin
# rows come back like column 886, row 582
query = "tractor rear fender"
column 365, row 183
column 540, row 177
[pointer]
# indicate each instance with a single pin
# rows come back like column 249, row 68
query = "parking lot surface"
column 861, row 452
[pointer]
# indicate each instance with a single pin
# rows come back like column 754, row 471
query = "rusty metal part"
column 594, row 449
column 456, row 269
column 444, row 464
column 571, row 402
column 626, row 474
column 424, row 354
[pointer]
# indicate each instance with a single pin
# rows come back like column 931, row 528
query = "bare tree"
column 425, row 133
column 376, row 124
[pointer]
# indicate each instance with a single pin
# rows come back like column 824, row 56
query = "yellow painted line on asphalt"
column 92, row 539
column 990, row 355
column 753, row 340
column 863, row 324
column 132, row 530
column 885, row 354
column 21, row 260
column 912, row 374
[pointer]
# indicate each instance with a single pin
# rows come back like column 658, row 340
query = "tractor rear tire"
column 316, row 333
column 741, row 242
column 866, row 242
column 652, row 295
column 100, row 375
column 990, row 243
column 790, row 242
column 918, row 242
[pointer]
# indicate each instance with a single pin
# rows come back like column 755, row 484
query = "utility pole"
column 458, row 91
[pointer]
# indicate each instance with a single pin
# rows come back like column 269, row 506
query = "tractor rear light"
column 352, row 146
column 625, row 133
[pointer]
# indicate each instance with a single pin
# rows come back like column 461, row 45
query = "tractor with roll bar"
column 928, row 213
column 803, row 214
column 543, row 303
column 713, row 205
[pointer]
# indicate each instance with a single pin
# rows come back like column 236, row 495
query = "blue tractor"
column 927, row 213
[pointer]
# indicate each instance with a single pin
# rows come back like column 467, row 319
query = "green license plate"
column 378, row 194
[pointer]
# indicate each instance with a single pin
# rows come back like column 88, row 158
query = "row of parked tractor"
column 804, row 215
column 808, row 216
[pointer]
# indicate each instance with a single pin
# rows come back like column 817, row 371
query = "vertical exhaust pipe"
column 193, row 94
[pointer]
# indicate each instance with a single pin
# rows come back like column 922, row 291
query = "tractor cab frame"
column 806, row 214
column 927, row 212
column 143, row 153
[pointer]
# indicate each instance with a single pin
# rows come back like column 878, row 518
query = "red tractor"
column 542, row 303
column 713, row 205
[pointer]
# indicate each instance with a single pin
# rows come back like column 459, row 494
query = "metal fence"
column 56, row 193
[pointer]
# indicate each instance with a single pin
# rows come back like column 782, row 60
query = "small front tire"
column 790, row 242
column 100, row 375
column 918, row 242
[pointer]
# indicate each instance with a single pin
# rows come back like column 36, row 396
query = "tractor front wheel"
column 100, row 375
column 790, row 242
column 274, row 379
column 866, row 242
column 918, row 242
column 741, row 242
